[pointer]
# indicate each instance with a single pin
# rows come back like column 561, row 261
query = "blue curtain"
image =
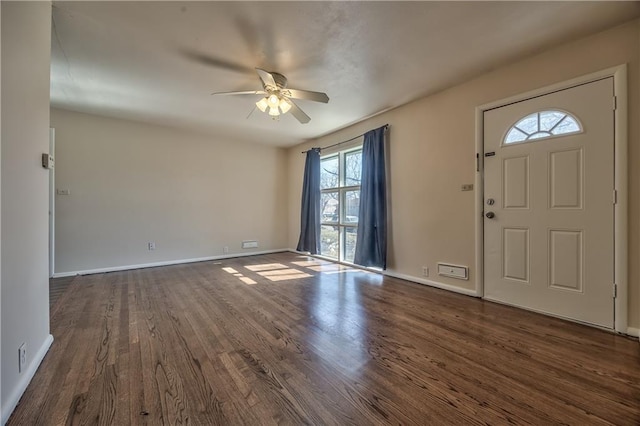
column 310, row 211
column 371, row 244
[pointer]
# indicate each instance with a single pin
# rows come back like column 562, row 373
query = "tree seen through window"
column 340, row 176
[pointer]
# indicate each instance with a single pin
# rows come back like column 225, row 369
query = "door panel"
column 549, row 244
column 515, row 254
column 566, row 179
column 516, row 183
column 565, row 260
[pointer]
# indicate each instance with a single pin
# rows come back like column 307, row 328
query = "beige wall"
column 133, row 183
column 432, row 153
column 26, row 44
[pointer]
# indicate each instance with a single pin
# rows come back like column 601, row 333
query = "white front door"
column 549, row 208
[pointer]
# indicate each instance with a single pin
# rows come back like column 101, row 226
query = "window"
column 542, row 125
column 339, row 203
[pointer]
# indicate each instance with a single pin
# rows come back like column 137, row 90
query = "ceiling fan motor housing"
column 281, row 81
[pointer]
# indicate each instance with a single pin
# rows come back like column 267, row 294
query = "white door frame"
column 619, row 75
column 52, row 203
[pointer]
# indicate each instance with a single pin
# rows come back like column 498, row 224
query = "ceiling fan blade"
column 298, row 113
column 266, row 78
column 259, row 39
column 209, row 60
column 244, row 92
column 307, row 94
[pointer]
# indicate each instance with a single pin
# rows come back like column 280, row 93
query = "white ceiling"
column 158, row 62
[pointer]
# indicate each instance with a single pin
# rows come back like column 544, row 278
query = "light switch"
column 63, row 191
column 47, row 161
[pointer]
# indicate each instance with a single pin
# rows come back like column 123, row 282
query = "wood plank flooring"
column 286, row 339
column 57, row 287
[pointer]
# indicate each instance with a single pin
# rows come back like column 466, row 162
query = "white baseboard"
column 431, row 283
column 21, row 386
column 632, row 331
column 162, row 263
column 411, row 278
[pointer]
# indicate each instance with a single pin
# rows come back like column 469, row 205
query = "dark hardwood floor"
column 57, row 287
column 285, row 339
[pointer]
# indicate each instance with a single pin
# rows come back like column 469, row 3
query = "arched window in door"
column 542, row 125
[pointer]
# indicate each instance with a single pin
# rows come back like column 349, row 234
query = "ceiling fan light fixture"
column 274, row 111
column 262, row 104
column 273, row 100
column 278, row 98
column 284, row 105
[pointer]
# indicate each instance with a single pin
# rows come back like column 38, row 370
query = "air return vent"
column 453, row 271
column 249, row 244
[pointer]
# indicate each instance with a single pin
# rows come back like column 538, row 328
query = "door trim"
column 52, row 204
column 619, row 74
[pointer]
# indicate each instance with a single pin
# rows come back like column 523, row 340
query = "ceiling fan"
column 278, row 98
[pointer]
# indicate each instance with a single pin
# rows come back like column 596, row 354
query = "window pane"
column 329, row 207
column 568, row 125
column 329, row 241
column 351, row 234
column 529, row 124
column 515, row 135
column 352, row 168
column 351, row 206
column 548, row 119
column 540, row 135
column 339, row 208
column 329, row 173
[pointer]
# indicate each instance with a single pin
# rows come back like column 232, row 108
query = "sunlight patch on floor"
column 309, row 263
column 239, row 276
column 265, row 267
column 326, row 266
column 297, row 276
column 284, row 274
column 247, row 280
column 281, row 272
column 331, row 267
column 287, row 271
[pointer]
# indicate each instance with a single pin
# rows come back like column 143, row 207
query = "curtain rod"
column 386, row 126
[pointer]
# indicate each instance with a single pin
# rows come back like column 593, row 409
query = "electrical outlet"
column 425, row 271
column 225, row 249
column 22, row 357
column 152, row 246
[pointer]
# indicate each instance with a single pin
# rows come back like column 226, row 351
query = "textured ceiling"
column 158, row 62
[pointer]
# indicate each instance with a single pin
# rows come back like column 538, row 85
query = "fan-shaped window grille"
column 541, row 125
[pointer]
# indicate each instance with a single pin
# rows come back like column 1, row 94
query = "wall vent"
column 249, row 244
column 453, row 271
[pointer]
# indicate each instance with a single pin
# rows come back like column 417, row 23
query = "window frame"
column 342, row 189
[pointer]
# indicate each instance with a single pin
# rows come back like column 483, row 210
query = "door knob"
column 490, row 215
